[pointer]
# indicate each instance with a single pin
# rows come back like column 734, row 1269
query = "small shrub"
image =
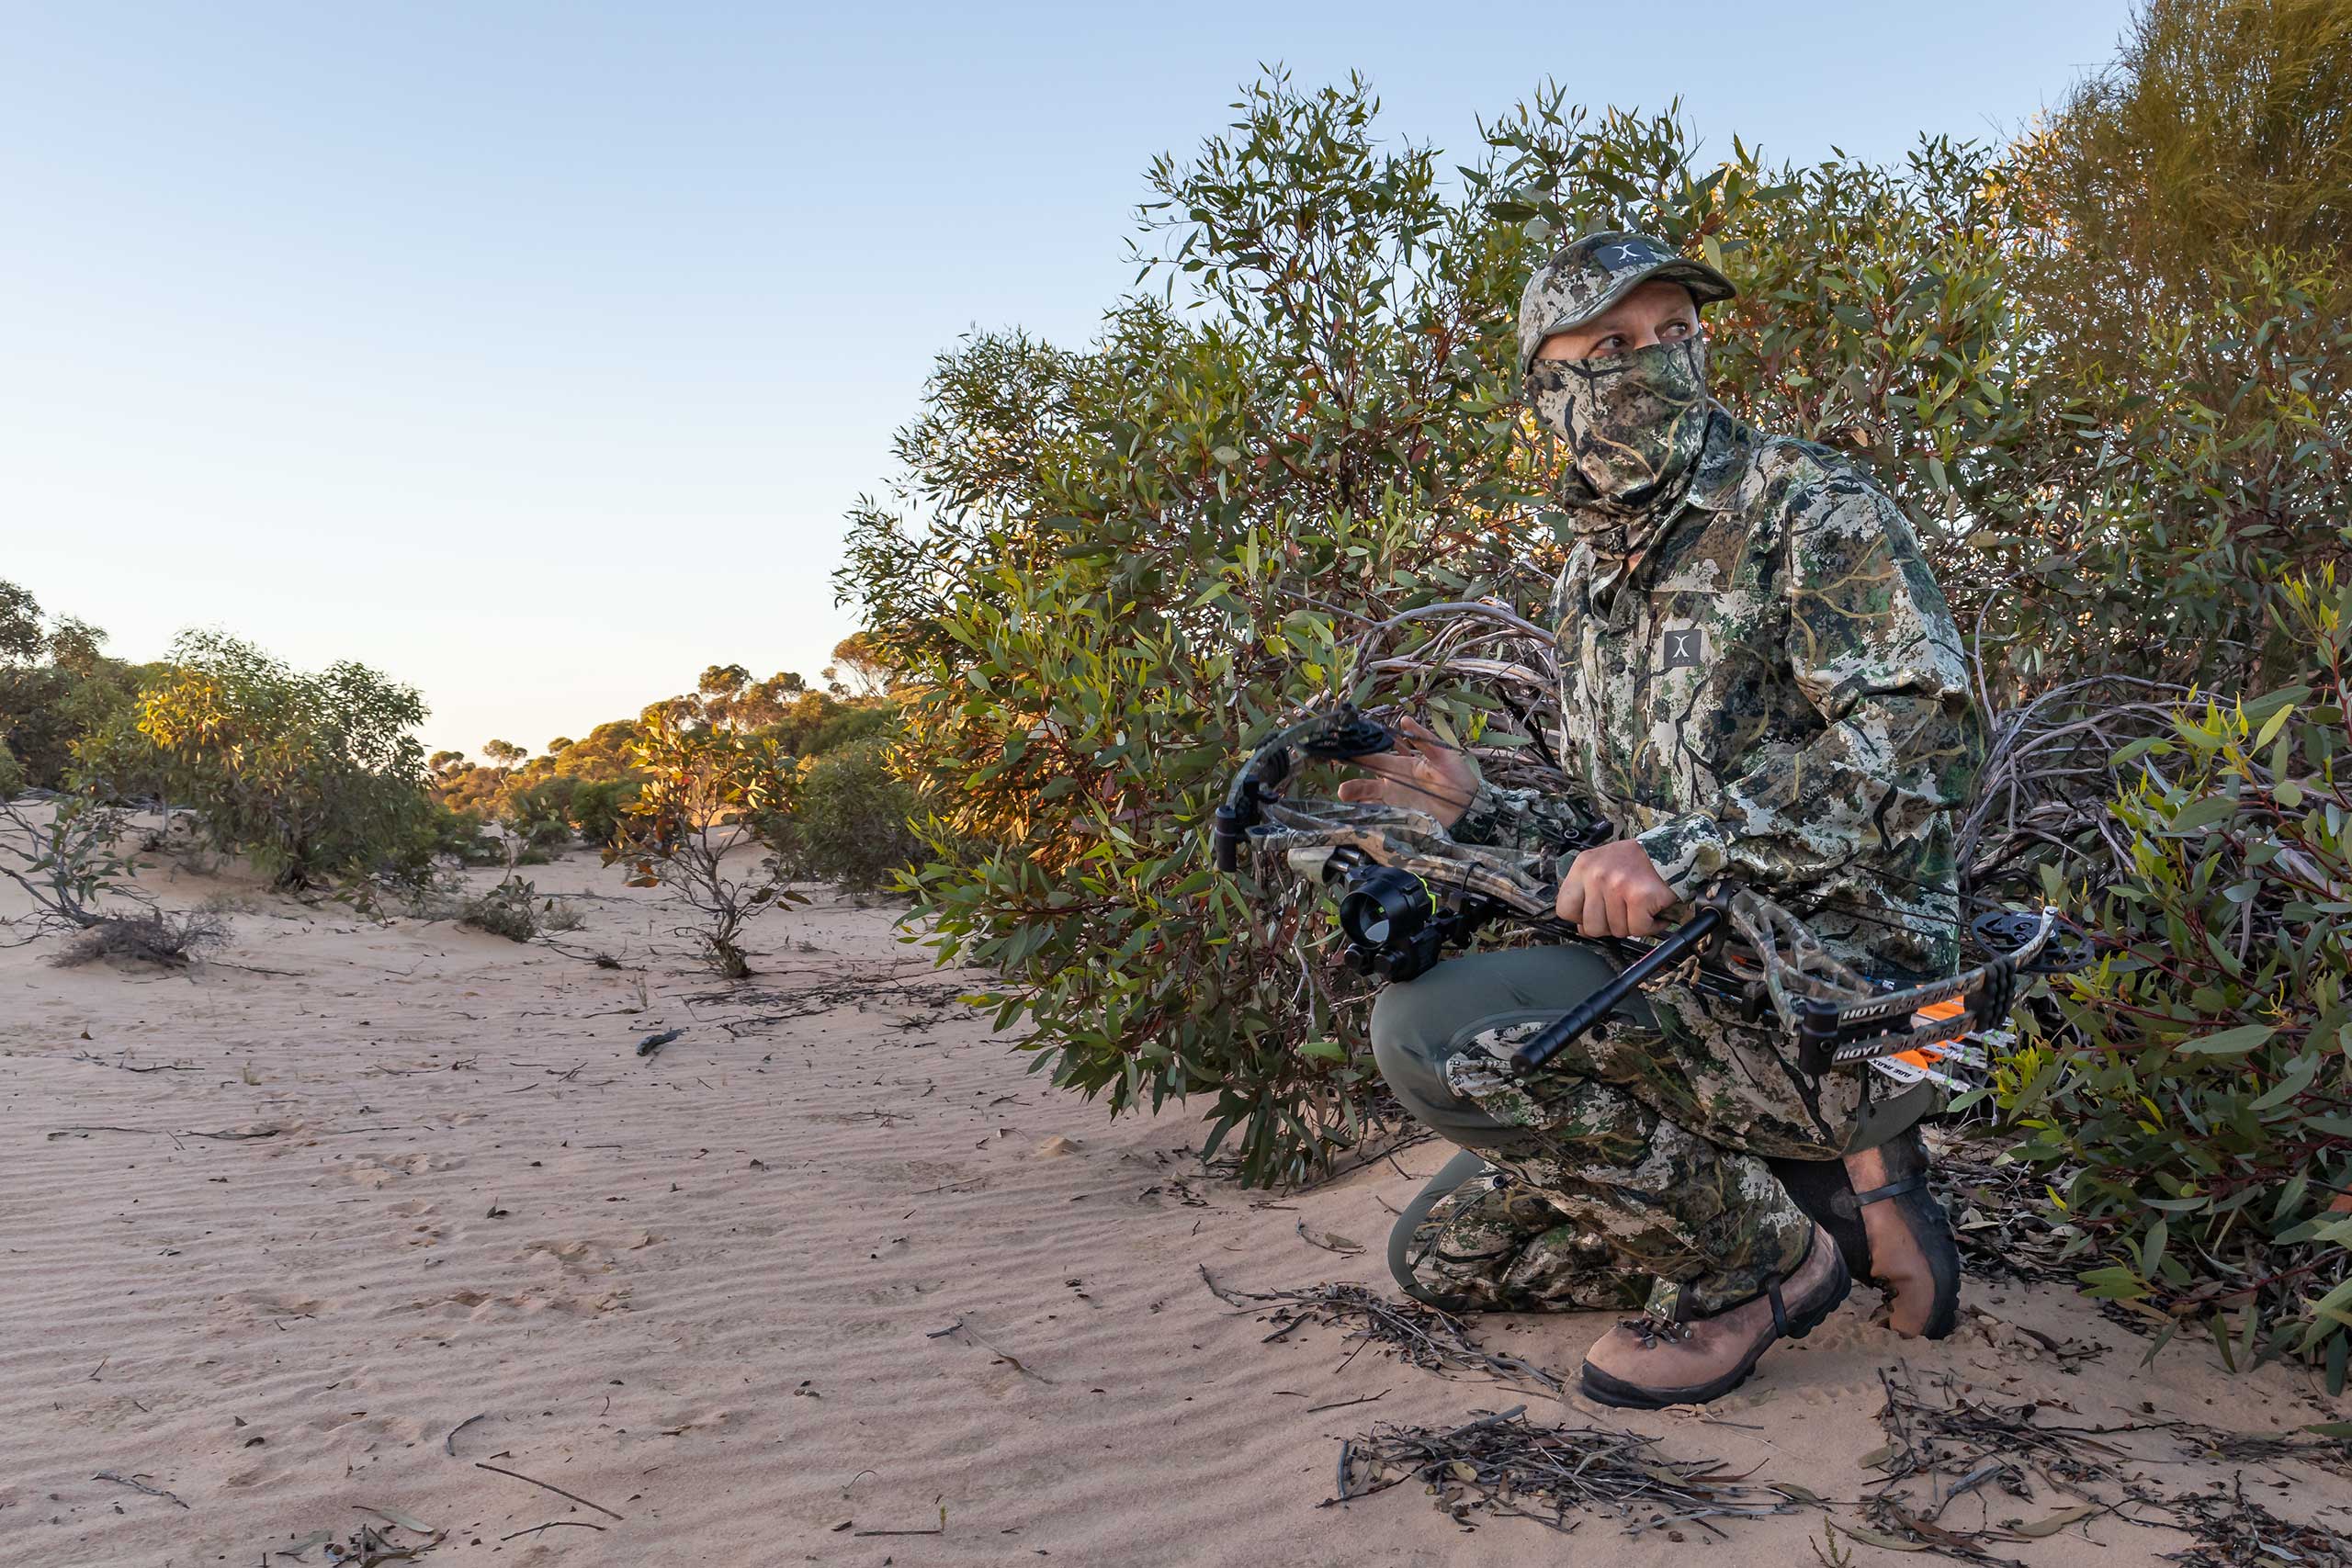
column 597, row 807
column 170, row 940
column 461, row 836
column 510, row 909
column 695, row 822
column 540, row 814
column 63, row 855
column 849, row 822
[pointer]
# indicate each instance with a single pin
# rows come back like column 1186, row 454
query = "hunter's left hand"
column 1613, row 891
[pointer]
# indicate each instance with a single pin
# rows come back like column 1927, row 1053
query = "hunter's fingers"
column 1569, row 904
column 1640, row 918
column 1390, row 766
column 1614, row 917
column 1413, row 735
column 1363, row 789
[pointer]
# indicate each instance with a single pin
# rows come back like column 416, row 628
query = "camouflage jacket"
column 1775, row 694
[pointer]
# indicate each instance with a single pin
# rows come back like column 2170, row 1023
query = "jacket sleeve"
column 1872, row 646
column 1525, row 820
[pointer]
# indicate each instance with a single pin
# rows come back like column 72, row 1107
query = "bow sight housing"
column 1394, row 922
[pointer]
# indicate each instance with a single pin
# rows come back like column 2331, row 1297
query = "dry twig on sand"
column 928, row 1002
column 1955, row 1446
column 559, row 1491
column 1505, row 1466
column 1417, row 1334
column 168, row 938
column 2235, row 1531
column 138, row 1484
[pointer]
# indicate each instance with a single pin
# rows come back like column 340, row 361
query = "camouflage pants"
column 1624, row 1172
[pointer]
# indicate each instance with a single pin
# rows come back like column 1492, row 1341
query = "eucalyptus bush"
column 2196, row 1112
column 1107, row 572
column 851, row 818
column 1110, row 572
column 314, row 776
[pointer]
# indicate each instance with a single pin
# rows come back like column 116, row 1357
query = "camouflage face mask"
column 1633, row 425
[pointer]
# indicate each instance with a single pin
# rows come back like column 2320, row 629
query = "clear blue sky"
column 532, row 353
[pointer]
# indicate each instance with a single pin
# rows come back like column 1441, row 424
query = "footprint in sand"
column 484, row 1307
column 382, row 1170
column 587, row 1256
column 255, row 1306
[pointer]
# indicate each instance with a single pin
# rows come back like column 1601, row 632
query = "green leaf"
column 2203, row 813
column 2229, row 1041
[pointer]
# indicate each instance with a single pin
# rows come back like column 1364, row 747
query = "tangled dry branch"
column 1504, row 1465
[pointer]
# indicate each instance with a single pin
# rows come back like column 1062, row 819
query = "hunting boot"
column 1648, row 1362
column 1892, row 1232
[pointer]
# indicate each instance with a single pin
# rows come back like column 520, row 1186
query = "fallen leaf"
column 2058, row 1520
column 1871, row 1537
column 406, row 1521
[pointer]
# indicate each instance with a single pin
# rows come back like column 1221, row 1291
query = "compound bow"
column 1409, row 891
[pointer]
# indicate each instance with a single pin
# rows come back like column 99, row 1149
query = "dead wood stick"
column 556, row 1490
column 556, row 1524
column 1343, row 1403
column 450, row 1443
column 137, row 1486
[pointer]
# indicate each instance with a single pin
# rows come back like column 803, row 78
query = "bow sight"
column 1397, row 923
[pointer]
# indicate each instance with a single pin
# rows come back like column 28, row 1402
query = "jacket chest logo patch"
column 1684, row 646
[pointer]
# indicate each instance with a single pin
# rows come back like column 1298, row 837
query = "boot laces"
column 1652, row 1330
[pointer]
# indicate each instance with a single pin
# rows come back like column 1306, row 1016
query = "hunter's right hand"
column 1423, row 772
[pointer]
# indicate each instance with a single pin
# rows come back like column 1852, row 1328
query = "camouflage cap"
column 1586, row 277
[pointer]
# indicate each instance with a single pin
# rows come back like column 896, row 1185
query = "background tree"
column 21, row 638
column 56, row 684
column 314, row 776
column 859, row 667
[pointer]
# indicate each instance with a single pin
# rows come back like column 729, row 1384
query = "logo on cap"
column 1636, row 253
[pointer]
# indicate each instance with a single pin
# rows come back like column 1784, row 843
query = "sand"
column 399, row 1202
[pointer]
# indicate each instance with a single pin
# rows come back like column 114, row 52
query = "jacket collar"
column 1725, row 459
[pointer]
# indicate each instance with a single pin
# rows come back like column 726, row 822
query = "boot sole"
column 1603, row 1388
